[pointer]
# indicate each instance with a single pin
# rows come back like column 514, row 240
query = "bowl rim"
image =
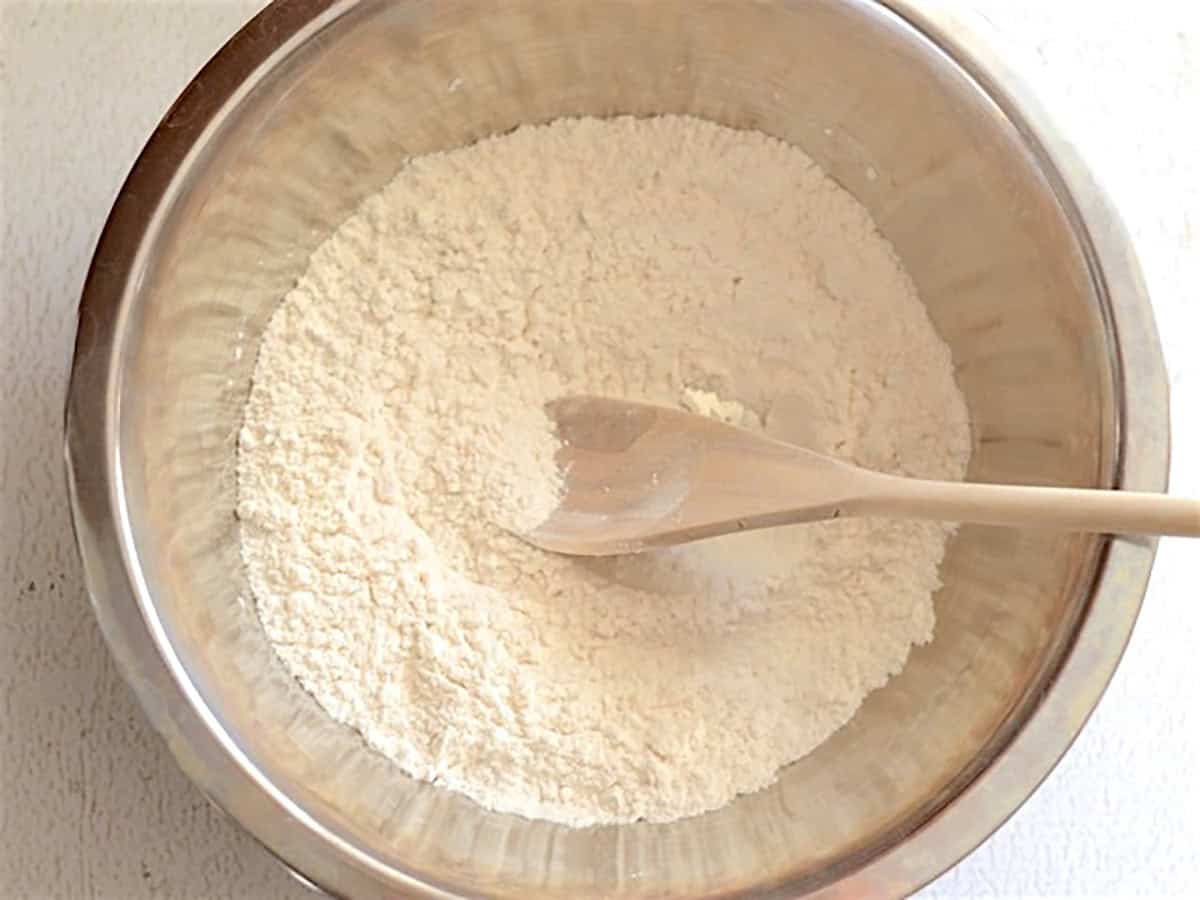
column 234, row 784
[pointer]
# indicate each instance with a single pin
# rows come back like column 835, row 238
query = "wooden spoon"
column 638, row 476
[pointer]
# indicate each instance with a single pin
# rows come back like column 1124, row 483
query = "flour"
column 706, row 403
column 394, row 433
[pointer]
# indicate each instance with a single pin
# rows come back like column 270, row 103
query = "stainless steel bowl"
column 1026, row 273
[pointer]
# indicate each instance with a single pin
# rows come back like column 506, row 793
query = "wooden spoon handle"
column 1113, row 512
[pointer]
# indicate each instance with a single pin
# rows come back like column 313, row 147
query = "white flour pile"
column 394, row 430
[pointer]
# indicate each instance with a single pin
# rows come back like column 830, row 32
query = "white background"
column 91, row 805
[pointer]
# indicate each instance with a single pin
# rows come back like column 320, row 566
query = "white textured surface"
column 90, row 803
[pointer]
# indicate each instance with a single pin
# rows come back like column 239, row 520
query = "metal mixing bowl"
column 1024, row 268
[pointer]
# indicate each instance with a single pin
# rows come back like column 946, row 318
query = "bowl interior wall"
column 332, row 116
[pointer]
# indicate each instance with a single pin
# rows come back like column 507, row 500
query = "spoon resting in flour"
column 637, row 476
